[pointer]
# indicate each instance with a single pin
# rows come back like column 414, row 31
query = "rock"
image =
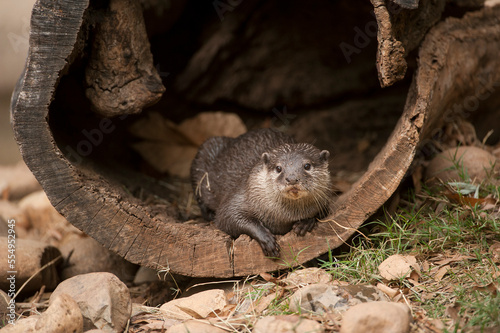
column 11, row 211
column 197, row 306
column 207, row 124
column 145, row 275
column 30, row 255
column 37, row 200
column 191, row 326
column 63, row 315
column 88, row 256
column 15, row 34
column 287, row 324
column 308, row 276
column 317, row 298
column 103, row 300
column 397, row 267
column 473, row 161
column 169, row 147
column 44, row 218
column 17, row 181
column 375, row 317
column 24, row 325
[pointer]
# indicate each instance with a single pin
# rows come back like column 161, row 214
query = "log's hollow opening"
column 274, row 64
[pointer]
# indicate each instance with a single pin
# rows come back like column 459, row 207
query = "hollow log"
column 91, row 179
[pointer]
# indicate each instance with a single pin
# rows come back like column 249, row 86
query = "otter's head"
column 298, row 172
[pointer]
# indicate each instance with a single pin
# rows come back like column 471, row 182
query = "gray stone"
column 103, row 300
column 365, row 293
column 62, row 316
column 317, row 298
column 320, row 298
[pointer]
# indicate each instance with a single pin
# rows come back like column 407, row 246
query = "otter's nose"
column 291, row 180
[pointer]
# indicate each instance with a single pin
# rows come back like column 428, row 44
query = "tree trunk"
column 81, row 161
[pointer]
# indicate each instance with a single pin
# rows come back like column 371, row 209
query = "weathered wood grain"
column 120, row 74
column 400, row 30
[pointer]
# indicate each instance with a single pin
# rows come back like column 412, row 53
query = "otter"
column 261, row 184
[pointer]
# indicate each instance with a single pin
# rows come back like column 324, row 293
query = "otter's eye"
column 307, row 166
column 279, row 169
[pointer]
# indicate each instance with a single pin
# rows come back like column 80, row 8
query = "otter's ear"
column 265, row 158
column 324, row 155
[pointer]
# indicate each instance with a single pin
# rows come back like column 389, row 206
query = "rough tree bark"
column 120, row 75
column 400, row 31
column 454, row 58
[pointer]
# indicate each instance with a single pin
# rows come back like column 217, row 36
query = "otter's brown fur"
column 261, row 183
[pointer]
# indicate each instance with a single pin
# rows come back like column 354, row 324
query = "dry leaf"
column 190, row 312
column 492, row 288
column 425, row 266
column 452, row 311
column 441, row 273
column 495, row 251
column 413, row 282
column 466, row 200
column 448, row 260
column 269, row 278
column 263, row 303
column 227, row 311
column 397, row 266
column 425, row 296
column 437, row 325
column 159, row 325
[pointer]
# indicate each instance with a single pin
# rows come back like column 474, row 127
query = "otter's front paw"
column 304, row 226
column 269, row 245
